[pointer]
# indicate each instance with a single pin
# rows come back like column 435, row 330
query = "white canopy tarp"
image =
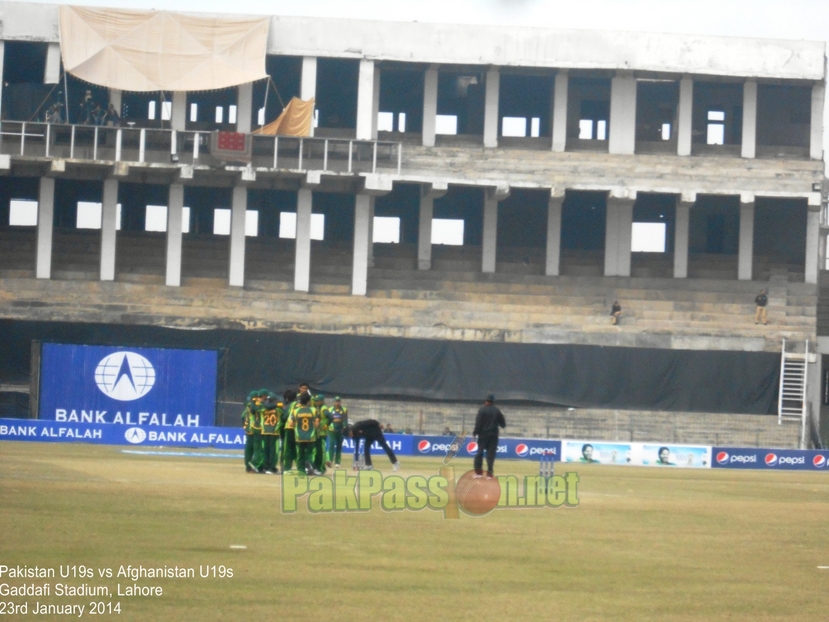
column 161, row 51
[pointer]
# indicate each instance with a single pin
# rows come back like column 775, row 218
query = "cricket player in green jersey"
column 287, row 444
column 247, row 426
column 306, row 425
column 254, row 455
column 338, row 416
column 322, row 413
column 271, row 422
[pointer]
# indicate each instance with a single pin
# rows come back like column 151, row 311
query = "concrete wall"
column 500, row 45
column 589, row 424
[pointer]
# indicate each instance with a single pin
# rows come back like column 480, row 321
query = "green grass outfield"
column 644, row 544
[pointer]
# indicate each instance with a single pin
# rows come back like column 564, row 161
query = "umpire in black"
column 487, row 422
column 370, row 431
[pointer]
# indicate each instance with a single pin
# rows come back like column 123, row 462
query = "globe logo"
column 125, row 376
column 135, row 435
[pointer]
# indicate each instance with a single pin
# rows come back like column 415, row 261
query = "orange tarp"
column 295, row 120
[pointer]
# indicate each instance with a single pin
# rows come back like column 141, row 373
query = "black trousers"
column 368, row 441
column 490, row 445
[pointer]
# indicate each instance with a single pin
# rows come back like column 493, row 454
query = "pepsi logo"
column 472, row 447
column 771, row 459
column 521, row 450
column 819, row 461
column 424, row 446
column 722, row 457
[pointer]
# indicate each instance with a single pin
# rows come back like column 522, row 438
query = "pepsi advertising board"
column 785, row 459
column 514, row 448
column 128, row 386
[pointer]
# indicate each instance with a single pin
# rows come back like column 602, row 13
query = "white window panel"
column 22, row 213
column 447, row 231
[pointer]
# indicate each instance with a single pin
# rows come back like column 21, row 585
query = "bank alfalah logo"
column 125, row 376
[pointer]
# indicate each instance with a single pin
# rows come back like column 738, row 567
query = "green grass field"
column 666, row 544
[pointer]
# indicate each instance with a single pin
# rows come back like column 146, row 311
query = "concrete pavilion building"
column 485, row 185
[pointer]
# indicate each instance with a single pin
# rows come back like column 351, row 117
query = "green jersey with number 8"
column 305, row 424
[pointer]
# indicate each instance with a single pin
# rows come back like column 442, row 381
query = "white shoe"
column 396, row 466
column 367, row 468
column 477, row 476
column 337, row 466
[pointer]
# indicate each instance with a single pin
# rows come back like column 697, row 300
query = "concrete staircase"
column 454, row 300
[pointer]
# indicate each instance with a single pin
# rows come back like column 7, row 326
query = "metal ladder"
column 791, row 405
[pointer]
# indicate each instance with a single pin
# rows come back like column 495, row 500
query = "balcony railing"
column 160, row 146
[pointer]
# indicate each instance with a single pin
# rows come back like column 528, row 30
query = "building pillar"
column 45, row 226
column 363, row 208
column 308, row 78
column 816, row 139
column 178, row 119
column 493, row 86
column 749, row 147
column 428, row 194
column 109, row 216
column 238, row 215
column 746, row 251
column 622, row 114
column 308, row 82
column 682, row 228
column 685, row 116
column 424, row 232
column 302, row 261
column 812, row 242
column 560, row 110
column 430, row 105
column 365, row 100
column 51, row 72
column 371, row 235
column 2, row 57
column 244, row 107
column 490, row 234
column 375, row 103
column 619, row 221
column 814, row 397
column 552, row 267
column 175, row 215
column 115, row 100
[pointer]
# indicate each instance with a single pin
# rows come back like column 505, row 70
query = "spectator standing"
column 112, row 119
column 760, row 314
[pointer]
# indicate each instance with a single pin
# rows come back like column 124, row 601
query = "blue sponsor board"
column 234, row 438
column 517, row 448
column 118, row 434
column 130, row 386
column 401, row 444
column 637, row 454
column 786, row 459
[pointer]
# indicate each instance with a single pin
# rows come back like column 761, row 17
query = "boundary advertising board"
column 130, row 386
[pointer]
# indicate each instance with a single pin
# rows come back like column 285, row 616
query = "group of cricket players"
column 299, row 428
